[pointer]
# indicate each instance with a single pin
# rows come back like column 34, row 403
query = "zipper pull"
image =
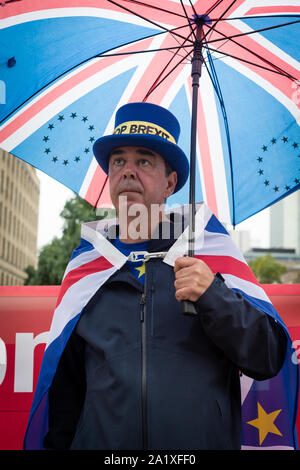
column 142, row 303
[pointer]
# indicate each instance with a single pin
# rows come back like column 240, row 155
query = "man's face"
column 139, row 174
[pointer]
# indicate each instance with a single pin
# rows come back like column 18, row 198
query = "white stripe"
column 268, row 448
column 88, row 178
column 248, row 4
column 75, row 299
column 73, row 12
column 219, row 244
column 142, row 64
column 247, row 287
column 81, row 259
column 215, row 144
column 272, row 90
column 246, row 384
column 66, row 99
column 90, row 255
column 214, row 243
column 186, row 2
column 181, row 246
column 105, row 247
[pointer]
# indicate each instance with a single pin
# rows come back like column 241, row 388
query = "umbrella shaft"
column 197, row 61
column 196, row 73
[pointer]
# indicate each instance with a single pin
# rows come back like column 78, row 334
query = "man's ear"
column 172, row 181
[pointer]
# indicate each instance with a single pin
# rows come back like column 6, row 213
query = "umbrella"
column 65, row 68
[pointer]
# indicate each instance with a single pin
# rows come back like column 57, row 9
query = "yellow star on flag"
column 141, row 269
column 265, row 423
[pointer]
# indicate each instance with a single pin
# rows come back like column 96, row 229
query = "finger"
column 184, row 261
column 184, row 272
column 199, row 268
column 186, row 293
column 186, row 284
column 182, row 282
column 182, row 294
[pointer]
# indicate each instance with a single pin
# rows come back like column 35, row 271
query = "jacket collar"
column 162, row 239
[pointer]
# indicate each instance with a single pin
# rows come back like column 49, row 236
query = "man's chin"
column 128, row 198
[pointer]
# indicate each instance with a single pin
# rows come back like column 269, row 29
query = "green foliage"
column 54, row 257
column 267, row 269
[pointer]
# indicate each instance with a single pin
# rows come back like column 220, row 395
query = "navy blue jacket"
column 138, row 374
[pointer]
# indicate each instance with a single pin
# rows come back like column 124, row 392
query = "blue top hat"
column 146, row 125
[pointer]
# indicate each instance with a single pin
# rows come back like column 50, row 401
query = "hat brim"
column 170, row 152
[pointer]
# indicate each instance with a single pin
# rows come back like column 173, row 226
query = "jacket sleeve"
column 254, row 341
column 66, row 395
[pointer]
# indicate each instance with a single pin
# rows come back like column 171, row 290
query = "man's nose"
column 129, row 171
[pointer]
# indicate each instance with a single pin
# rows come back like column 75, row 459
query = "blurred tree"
column 297, row 279
column 267, row 269
column 54, row 256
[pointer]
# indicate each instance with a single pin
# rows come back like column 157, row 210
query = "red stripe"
column 205, row 156
column 31, row 6
column 161, row 17
column 145, row 81
column 220, row 9
column 98, row 187
column 150, row 73
column 97, row 265
column 155, row 67
column 204, row 6
column 28, row 6
column 278, row 81
column 271, row 10
column 51, row 96
column 229, row 265
column 158, row 94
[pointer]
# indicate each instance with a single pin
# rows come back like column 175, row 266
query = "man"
column 134, row 372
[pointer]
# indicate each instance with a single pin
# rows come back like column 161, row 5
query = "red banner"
column 25, row 318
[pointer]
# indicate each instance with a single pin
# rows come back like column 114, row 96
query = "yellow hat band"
column 143, row 127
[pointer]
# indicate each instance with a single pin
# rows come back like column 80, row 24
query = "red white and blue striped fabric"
column 60, row 97
column 91, row 265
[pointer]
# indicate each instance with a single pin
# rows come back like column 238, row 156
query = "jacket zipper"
column 144, row 371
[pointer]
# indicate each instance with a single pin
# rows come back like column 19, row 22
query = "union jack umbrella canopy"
column 67, row 65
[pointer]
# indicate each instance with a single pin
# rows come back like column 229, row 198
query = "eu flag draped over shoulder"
column 269, row 407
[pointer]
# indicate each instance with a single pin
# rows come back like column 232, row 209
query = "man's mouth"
column 129, row 190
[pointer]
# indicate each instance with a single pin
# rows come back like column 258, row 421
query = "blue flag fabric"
column 59, row 100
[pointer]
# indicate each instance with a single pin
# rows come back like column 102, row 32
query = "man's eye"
column 118, row 161
column 144, row 162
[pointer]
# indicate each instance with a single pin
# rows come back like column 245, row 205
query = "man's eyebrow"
column 141, row 151
column 145, row 151
column 117, row 151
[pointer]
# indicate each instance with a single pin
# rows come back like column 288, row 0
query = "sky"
column 53, row 196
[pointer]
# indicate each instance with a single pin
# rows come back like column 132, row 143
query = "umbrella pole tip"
column 202, row 19
column 11, row 62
